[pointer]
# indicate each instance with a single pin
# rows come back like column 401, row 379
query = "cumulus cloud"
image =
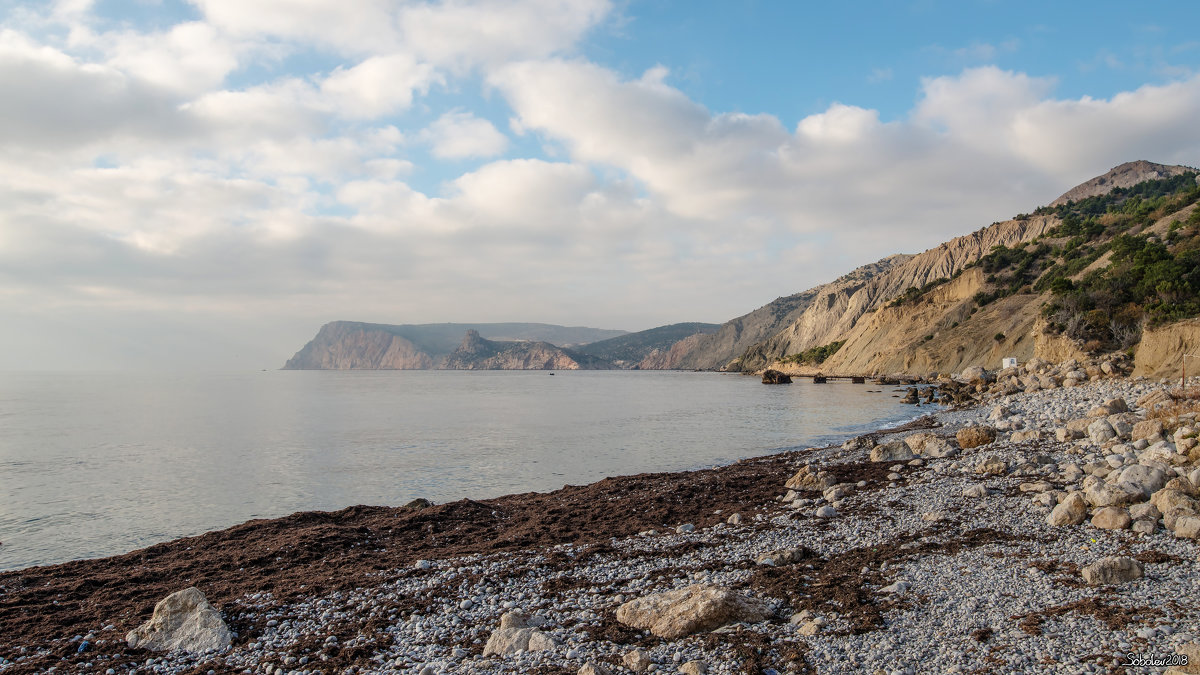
column 51, row 100
column 458, row 134
column 188, row 58
column 146, row 174
column 378, row 86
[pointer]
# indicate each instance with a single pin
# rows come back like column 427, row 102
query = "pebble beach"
column 1048, row 528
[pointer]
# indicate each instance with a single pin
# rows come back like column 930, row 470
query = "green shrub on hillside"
column 815, row 355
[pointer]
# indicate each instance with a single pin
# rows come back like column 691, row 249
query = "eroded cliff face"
column 1162, row 350
column 835, row 310
column 671, row 357
column 348, row 346
column 721, row 350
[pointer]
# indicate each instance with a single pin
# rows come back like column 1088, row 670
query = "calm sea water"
column 100, row 464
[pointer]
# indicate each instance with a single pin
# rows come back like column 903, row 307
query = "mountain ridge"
column 930, row 311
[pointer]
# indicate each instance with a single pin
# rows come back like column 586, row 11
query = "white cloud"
column 459, row 135
column 452, row 33
column 51, row 100
column 150, row 173
column 464, row 33
column 349, row 26
column 380, row 85
column 189, row 58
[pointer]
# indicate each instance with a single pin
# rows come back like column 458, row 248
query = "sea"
column 98, row 464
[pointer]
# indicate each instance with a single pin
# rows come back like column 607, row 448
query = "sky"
column 202, row 184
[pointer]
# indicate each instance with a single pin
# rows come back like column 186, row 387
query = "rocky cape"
column 353, row 345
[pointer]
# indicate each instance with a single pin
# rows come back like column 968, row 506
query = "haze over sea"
column 99, row 464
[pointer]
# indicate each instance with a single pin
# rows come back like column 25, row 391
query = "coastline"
column 574, row 554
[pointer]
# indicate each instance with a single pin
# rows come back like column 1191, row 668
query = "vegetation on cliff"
column 1108, row 268
column 815, row 355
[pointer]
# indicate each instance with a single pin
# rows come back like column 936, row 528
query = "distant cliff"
column 476, row 353
column 353, row 345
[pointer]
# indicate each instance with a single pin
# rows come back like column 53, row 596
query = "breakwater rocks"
column 1051, row 531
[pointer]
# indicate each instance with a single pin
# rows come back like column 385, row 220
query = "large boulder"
column 692, row 609
column 1112, row 570
column 517, row 632
column 1111, row 518
column 1191, row 650
column 895, row 451
column 939, row 447
column 916, row 442
column 1110, row 494
column 1168, row 500
column 1072, row 511
column 1101, row 431
column 183, row 620
column 1187, row 527
column 974, row 374
column 974, row 436
column 1147, row 478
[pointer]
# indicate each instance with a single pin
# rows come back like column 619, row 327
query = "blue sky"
column 228, row 175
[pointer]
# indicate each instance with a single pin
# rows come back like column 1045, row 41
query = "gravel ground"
column 910, row 576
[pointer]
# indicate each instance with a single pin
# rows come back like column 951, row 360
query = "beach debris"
column 182, row 621
column 692, row 609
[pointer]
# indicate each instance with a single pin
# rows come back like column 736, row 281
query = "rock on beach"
column 185, row 621
column 692, row 609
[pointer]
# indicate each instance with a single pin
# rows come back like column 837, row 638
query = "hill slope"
column 1082, row 277
column 632, row 349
